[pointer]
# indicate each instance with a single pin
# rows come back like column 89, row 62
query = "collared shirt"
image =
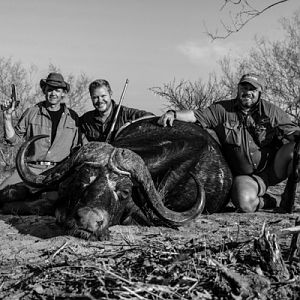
column 35, row 121
column 94, row 129
column 251, row 140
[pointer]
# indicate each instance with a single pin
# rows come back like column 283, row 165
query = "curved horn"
column 133, row 163
column 25, row 173
column 53, row 175
column 95, row 153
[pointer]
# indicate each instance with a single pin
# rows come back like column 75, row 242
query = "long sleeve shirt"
column 36, row 121
column 94, row 129
column 251, row 140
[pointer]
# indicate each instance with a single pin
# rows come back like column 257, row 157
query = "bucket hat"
column 55, row 80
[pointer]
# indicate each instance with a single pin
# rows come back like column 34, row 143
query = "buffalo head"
column 95, row 185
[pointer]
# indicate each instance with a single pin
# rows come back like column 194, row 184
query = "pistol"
column 13, row 98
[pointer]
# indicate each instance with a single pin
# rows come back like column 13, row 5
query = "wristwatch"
column 172, row 111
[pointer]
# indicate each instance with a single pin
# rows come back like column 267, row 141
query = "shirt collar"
column 43, row 109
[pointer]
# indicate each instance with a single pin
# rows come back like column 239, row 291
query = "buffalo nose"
column 91, row 219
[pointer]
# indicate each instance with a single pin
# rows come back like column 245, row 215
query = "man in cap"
column 51, row 117
column 252, row 133
column 95, row 125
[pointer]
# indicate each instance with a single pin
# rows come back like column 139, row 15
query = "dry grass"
column 215, row 264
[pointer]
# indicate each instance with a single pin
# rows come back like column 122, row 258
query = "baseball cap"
column 254, row 79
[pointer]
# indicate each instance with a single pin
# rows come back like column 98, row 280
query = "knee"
column 246, row 202
column 248, row 205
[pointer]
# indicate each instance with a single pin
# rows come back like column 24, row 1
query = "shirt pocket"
column 264, row 132
column 233, row 134
column 37, row 128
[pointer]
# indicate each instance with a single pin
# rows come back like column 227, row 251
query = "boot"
column 269, row 201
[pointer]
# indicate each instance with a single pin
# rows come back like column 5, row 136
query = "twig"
column 59, row 250
column 240, row 19
column 290, row 230
column 193, row 286
column 294, row 241
column 234, row 278
column 133, row 293
column 119, row 277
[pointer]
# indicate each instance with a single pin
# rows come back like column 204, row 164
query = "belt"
column 42, row 163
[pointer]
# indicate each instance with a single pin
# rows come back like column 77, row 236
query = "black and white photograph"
column 149, row 149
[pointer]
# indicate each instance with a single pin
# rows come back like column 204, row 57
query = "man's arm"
column 131, row 114
column 169, row 117
column 8, row 125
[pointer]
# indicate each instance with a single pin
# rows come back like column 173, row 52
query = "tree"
column 240, row 13
column 278, row 62
column 191, row 95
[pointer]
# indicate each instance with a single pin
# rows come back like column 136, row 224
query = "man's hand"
column 8, row 107
column 167, row 118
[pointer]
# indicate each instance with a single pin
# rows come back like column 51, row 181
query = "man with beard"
column 50, row 117
column 257, row 139
column 96, row 124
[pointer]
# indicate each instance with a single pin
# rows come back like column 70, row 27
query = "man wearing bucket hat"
column 51, row 117
column 257, row 139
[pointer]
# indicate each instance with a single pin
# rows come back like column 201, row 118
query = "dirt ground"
column 213, row 258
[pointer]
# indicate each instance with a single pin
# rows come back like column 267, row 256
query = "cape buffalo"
column 150, row 175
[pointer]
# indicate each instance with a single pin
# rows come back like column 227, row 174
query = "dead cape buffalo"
column 150, row 175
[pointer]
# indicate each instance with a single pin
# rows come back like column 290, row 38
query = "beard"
column 247, row 101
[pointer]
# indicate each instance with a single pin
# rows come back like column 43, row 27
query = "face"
column 101, row 99
column 54, row 95
column 92, row 200
column 248, row 94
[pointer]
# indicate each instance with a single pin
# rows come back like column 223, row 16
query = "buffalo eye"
column 124, row 193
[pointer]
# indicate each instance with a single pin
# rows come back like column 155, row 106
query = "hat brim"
column 254, row 83
column 64, row 85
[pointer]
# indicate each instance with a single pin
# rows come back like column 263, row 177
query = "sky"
column 150, row 42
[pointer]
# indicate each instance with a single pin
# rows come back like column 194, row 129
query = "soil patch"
column 39, row 262
column 212, row 258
